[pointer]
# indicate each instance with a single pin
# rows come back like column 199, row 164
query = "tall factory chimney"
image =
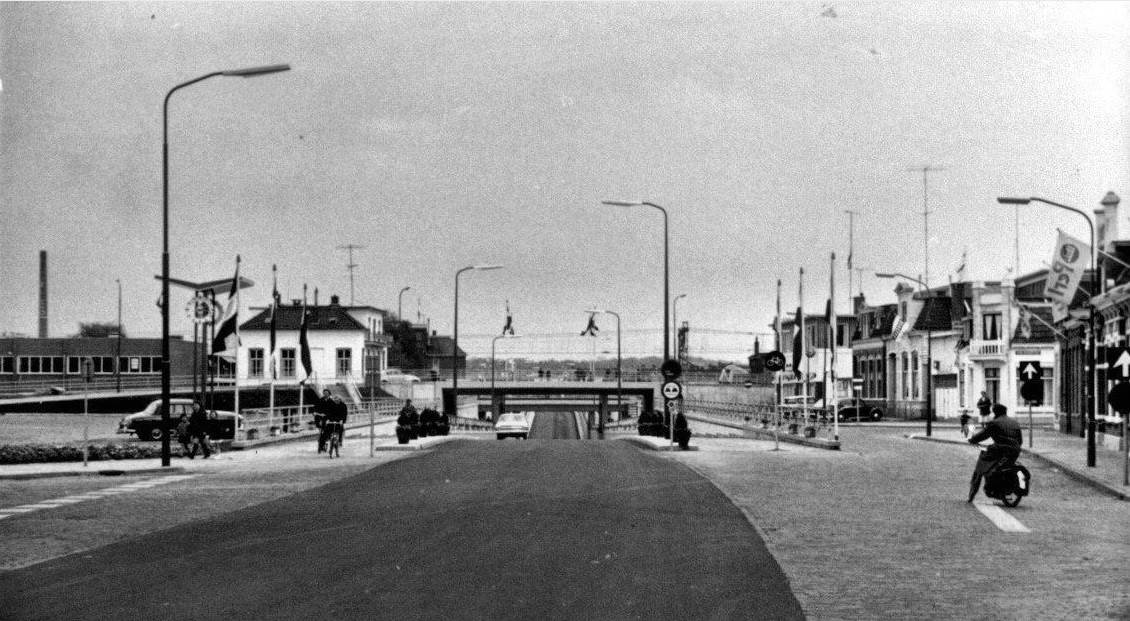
column 42, row 294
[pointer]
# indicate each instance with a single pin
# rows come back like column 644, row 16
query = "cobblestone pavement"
column 881, row 530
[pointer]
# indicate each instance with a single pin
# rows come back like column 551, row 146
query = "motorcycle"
column 1008, row 484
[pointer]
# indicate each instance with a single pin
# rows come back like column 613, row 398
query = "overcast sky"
column 444, row 135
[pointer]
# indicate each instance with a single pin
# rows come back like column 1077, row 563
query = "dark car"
column 859, row 410
column 146, row 424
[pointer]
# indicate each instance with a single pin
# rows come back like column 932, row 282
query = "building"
column 347, row 344
column 822, row 365
column 36, row 361
column 873, row 333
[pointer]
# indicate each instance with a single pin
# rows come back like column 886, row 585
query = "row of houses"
column 969, row 337
column 356, row 344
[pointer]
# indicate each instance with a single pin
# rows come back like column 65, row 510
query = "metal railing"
column 34, row 386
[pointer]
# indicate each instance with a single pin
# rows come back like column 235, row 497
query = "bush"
column 51, row 453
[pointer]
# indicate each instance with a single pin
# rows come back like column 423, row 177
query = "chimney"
column 1107, row 219
column 42, row 294
column 315, row 296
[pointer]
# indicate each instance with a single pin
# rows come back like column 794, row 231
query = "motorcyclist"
column 1007, row 437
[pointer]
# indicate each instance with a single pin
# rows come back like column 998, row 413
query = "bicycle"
column 336, row 431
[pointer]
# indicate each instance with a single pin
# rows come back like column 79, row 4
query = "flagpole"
column 777, row 331
column 235, row 423
column 832, row 346
column 274, row 315
column 301, row 383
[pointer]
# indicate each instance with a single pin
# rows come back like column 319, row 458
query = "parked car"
column 856, row 409
column 396, row 376
column 146, row 424
column 512, row 425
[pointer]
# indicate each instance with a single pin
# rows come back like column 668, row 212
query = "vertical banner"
column 1069, row 260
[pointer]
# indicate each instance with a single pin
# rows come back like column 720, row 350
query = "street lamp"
column 675, row 323
column 400, row 304
column 118, row 362
column 1004, row 200
column 619, row 371
column 929, row 350
column 492, row 344
column 666, row 271
column 455, row 346
column 165, row 387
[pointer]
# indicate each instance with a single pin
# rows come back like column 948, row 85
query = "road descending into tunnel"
column 554, row 426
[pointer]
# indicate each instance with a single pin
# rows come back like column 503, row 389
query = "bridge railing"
column 794, row 419
column 31, row 386
column 261, row 422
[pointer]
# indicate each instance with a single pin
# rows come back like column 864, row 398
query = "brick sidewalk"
column 1064, row 451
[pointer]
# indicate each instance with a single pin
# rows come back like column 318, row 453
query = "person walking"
column 321, row 410
column 984, row 404
column 184, row 436
column 198, row 431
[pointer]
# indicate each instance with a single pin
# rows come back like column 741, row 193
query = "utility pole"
column 350, row 266
column 851, row 251
column 926, row 215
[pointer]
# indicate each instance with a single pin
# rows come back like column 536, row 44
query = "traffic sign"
column 672, row 390
column 1118, row 362
column 1033, row 391
column 671, row 370
column 774, row 361
column 1119, row 398
column 1029, row 370
column 672, row 406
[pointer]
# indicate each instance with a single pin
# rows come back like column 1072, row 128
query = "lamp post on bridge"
column 455, row 338
column 493, row 342
column 619, row 370
column 166, row 389
column 400, row 304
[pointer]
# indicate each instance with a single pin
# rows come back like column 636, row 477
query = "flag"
column 1068, row 261
column 897, row 329
column 303, row 342
column 797, row 327
column 964, row 262
column 225, row 343
column 591, row 329
column 830, row 318
column 509, row 327
column 1025, row 321
column 274, row 319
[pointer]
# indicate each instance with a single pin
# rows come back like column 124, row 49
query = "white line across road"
column 95, row 495
column 1001, row 519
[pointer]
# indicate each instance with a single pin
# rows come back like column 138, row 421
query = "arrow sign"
column 1118, row 358
column 1031, row 370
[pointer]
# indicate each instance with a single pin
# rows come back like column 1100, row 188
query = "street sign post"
column 774, row 361
column 87, row 377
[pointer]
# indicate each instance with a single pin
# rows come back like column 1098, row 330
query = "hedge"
column 47, row 453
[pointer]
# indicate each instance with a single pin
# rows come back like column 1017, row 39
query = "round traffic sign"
column 672, row 390
column 671, row 370
column 774, row 361
column 1119, row 398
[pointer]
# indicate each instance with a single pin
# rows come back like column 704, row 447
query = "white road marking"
column 95, row 495
column 1001, row 519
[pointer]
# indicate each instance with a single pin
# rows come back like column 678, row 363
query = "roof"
column 935, row 314
column 216, row 287
column 330, row 317
column 1041, row 331
column 443, row 346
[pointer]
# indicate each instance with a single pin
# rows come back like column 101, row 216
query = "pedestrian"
column 198, row 430
column 321, row 410
column 984, row 404
column 184, row 436
column 410, row 418
column 965, row 418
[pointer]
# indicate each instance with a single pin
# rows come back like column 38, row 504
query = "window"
column 6, row 364
column 991, row 326
column 255, row 362
column 73, row 364
column 993, row 384
column 905, row 376
column 41, row 364
column 286, row 360
column 344, row 361
column 914, row 374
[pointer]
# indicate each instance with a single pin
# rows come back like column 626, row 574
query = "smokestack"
column 42, row 294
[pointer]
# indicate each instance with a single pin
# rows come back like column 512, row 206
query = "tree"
column 97, row 329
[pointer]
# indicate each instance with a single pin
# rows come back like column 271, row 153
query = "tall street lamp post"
column 675, row 323
column 1004, row 200
column 455, row 345
column 619, row 370
column 666, row 272
column 118, row 362
column 400, row 304
column 929, row 349
column 165, row 387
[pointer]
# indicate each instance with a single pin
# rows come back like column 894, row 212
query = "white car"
column 512, row 425
column 396, row 376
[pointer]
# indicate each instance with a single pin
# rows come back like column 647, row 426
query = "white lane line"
column 1001, row 519
column 20, row 509
column 95, row 495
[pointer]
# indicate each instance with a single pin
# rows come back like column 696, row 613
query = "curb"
column 652, row 446
column 1087, row 480
column 106, row 472
column 766, row 434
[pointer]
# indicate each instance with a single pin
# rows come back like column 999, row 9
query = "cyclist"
column 1007, row 437
column 335, row 419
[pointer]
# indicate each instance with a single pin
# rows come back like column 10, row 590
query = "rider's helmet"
column 999, row 410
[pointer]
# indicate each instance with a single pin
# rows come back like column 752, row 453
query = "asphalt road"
column 554, row 426
column 471, row 530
